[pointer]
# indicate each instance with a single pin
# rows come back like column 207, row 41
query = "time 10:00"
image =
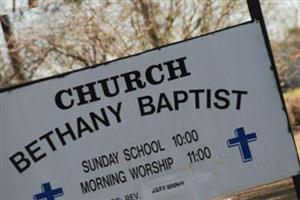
column 185, row 138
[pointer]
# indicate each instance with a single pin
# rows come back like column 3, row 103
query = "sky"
column 283, row 8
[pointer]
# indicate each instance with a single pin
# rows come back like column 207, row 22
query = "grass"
column 292, row 93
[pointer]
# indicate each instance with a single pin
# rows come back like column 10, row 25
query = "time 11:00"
column 199, row 155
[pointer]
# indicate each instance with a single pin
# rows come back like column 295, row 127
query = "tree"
column 16, row 61
column 287, row 54
column 67, row 35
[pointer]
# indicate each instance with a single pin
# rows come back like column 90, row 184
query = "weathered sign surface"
column 191, row 120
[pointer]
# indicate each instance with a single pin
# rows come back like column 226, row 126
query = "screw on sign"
column 48, row 193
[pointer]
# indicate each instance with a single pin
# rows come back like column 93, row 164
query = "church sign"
column 191, row 120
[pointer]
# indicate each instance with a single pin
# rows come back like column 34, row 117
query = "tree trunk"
column 144, row 8
column 16, row 61
column 33, row 3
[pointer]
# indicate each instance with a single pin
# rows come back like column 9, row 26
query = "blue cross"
column 48, row 193
column 242, row 141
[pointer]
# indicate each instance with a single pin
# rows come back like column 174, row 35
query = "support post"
column 296, row 180
column 256, row 14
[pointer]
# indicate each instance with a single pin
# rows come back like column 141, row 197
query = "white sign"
column 188, row 121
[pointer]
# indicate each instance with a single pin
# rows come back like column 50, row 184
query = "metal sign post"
column 296, row 180
column 256, row 14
